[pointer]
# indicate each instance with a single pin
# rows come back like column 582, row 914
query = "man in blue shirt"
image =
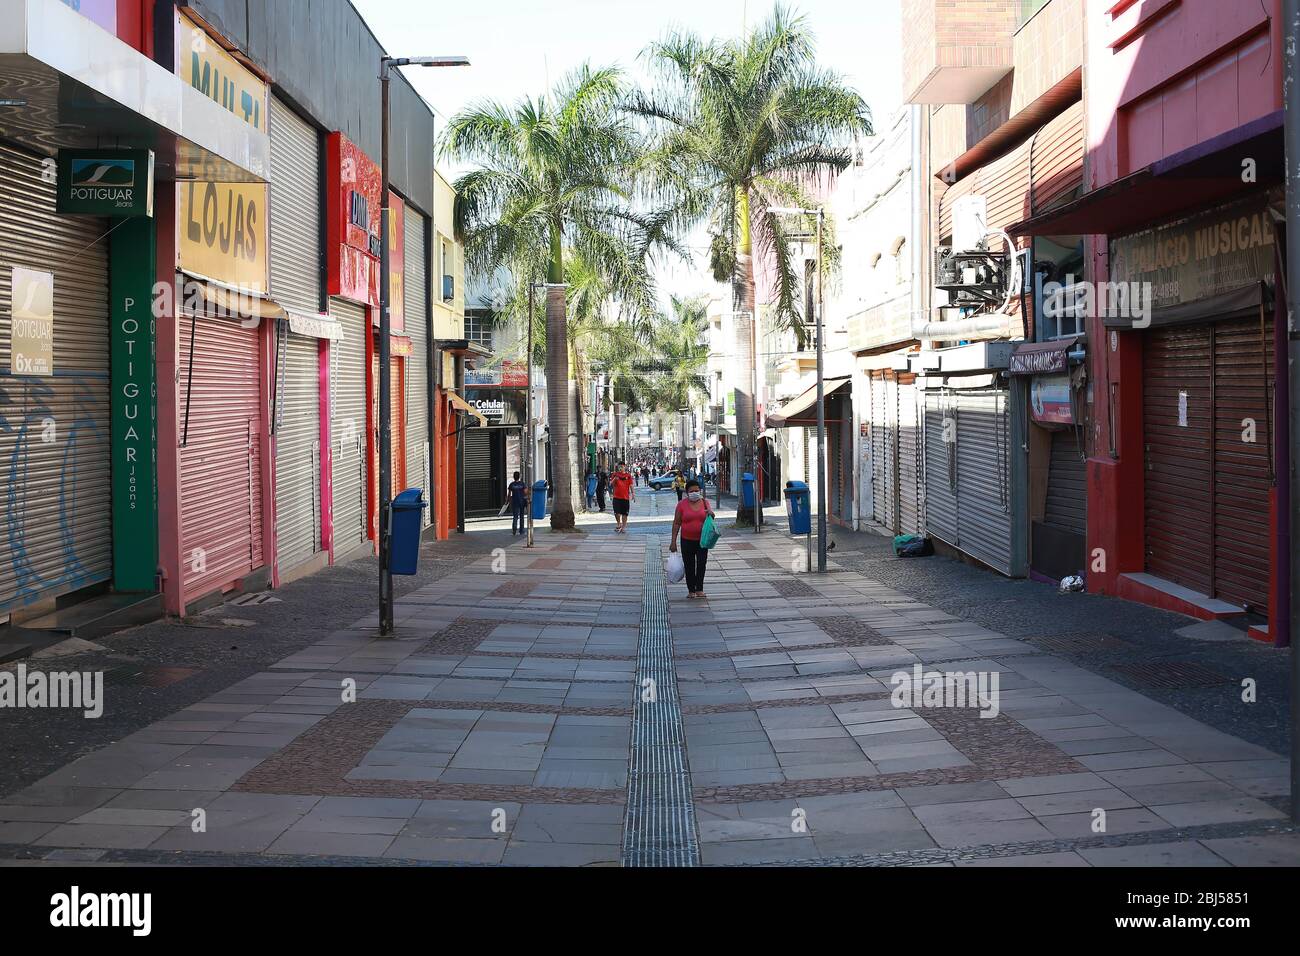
column 518, row 494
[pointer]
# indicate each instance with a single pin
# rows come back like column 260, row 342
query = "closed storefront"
column 348, row 426
column 295, row 258
column 396, row 428
column 417, row 363
column 1207, row 362
column 894, row 433
column 1208, row 389
column 297, row 451
column 221, row 453
column 54, row 391
column 968, row 477
column 484, row 462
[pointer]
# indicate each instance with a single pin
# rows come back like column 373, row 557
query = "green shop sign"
column 105, row 182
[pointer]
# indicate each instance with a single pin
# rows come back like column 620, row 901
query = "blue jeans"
column 518, row 519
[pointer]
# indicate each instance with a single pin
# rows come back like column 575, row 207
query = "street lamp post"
column 385, row 529
column 821, row 390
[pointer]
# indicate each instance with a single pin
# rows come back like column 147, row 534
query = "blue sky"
column 515, row 46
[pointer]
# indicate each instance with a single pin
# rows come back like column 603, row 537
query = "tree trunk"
column 742, row 292
column 559, row 409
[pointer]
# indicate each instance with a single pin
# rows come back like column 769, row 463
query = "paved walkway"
column 532, row 696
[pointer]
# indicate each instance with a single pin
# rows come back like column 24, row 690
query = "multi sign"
column 396, row 263
column 105, row 182
column 222, row 228
column 202, row 61
column 500, row 406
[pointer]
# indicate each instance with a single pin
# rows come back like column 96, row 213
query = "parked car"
column 662, row 481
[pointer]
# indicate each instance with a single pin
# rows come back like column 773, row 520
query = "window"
column 1058, row 261
column 478, row 326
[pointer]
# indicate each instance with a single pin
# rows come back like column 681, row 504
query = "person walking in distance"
column 679, row 484
column 624, row 494
column 602, row 481
column 688, row 522
column 517, row 492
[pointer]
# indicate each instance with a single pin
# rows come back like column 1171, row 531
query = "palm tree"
column 552, row 181
column 678, row 357
column 744, row 126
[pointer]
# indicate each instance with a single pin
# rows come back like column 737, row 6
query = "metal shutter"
column 1243, row 389
column 941, row 467
column 295, row 211
column 882, row 471
column 221, row 454
column 1179, row 504
column 983, row 477
column 348, row 425
column 480, row 489
column 396, row 426
column 908, row 449
column 57, row 533
column 834, row 462
column 1067, row 485
column 297, row 452
column 417, row 363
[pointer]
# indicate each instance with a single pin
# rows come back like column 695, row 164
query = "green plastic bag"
column 709, row 535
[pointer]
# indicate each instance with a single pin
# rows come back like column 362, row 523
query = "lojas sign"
column 105, row 182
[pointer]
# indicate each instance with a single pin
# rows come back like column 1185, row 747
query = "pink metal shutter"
column 221, row 455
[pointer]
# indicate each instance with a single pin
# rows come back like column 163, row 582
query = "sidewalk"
column 545, row 706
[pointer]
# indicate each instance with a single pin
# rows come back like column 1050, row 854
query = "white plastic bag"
column 675, row 567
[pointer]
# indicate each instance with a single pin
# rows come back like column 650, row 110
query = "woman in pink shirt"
column 688, row 520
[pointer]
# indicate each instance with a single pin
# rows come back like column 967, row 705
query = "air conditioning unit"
column 970, row 277
column 969, row 223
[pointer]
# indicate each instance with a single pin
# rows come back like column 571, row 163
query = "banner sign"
column 222, row 233
column 396, row 263
column 105, row 182
column 400, row 345
column 31, row 313
column 1049, row 399
column 205, row 65
column 1039, row 358
column 509, row 374
column 1200, row 256
column 133, row 408
column 352, row 221
column 502, row 407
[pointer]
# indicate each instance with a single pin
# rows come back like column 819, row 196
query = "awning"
column 794, row 413
column 1240, row 303
column 464, row 406
column 211, row 299
column 1039, row 358
column 1191, row 178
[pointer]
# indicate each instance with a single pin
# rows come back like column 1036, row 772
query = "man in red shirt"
column 621, row 484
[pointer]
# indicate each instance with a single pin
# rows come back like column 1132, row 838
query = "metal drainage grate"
column 660, row 826
column 1171, row 674
column 1081, row 643
column 146, row 675
column 258, row 597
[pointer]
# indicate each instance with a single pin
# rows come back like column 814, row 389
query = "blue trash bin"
column 747, row 490
column 797, row 507
column 404, row 543
column 539, row 499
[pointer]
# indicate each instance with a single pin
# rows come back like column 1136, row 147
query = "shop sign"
column 205, row 65
column 105, row 182
column 31, row 313
column 500, row 406
column 315, row 326
column 353, row 188
column 509, row 374
column 400, row 345
column 1198, row 257
column 222, row 233
column 1049, row 399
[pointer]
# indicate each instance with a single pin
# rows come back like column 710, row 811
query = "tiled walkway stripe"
column 660, row 827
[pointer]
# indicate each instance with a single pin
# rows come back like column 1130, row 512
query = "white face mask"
column 694, row 495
